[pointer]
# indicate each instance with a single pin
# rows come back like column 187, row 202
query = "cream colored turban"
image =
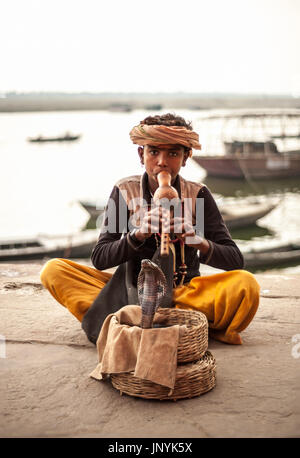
column 157, row 134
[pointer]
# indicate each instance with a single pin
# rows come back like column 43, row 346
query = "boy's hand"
column 157, row 218
column 151, row 223
column 184, row 231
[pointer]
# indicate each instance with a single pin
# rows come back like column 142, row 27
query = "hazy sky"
column 155, row 45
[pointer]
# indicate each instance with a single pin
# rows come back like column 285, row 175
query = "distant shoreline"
column 125, row 102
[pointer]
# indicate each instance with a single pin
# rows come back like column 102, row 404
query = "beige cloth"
column 125, row 347
column 156, row 135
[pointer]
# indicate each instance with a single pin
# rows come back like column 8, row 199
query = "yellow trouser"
column 228, row 299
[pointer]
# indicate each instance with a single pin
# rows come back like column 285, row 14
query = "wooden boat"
column 120, row 107
column 257, row 166
column 243, row 213
column 236, row 216
column 78, row 245
column 277, row 256
column 285, row 136
column 244, row 158
column 154, row 107
column 93, row 209
column 65, row 138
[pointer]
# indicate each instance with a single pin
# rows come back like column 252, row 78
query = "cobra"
column 152, row 287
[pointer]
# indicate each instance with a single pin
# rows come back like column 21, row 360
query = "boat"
column 253, row 166
column 120, row 107
column 154, row 107
column 93, row 210
column 281, row 136
column 277, row 256
column 78, row 245
column 64, row 138
column 244, row 213
column 236, row 213
column 253, row 159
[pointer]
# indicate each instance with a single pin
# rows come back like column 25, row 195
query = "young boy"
column 228, row 299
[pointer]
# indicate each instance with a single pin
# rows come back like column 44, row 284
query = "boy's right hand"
column 151, row 223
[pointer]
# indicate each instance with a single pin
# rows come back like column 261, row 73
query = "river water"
column 41, row 183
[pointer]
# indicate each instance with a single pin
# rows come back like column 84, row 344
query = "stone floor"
column 46, row 359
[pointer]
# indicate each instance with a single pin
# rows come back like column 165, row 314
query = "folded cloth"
column 125, row 347
column 157, row 355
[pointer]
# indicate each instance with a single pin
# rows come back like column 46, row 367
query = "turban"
column 143, row 134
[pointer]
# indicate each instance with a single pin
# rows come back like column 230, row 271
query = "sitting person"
column 228, row 299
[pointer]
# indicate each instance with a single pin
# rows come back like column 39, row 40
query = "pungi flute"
column 164, row 191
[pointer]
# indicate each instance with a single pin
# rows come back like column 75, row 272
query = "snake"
column 152, row 287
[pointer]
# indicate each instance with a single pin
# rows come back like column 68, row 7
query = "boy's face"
column 169, row 158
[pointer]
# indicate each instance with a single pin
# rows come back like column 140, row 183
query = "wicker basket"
column 192, row 379
column 193, row 343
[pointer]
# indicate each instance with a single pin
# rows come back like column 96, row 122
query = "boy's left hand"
column 184, row 231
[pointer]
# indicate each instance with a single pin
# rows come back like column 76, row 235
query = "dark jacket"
column 116, row 248
column 112, row 249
